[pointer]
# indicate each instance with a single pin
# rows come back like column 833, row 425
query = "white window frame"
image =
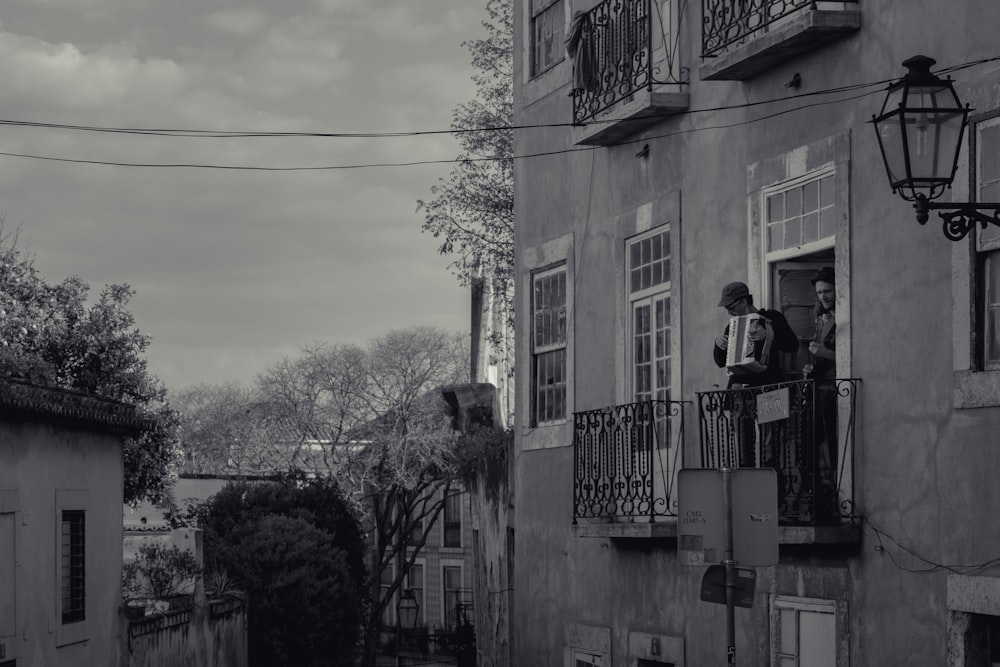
column 648, row 297
column 548, row 254
column 461, row 499
column 78, row 631
column 558, row 346
column 975, row 384
column 799, row 606
column 987, row 242
column 545, row 7
column 822, row 243
column 450, row 563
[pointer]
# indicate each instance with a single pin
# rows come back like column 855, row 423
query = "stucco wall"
column 924, row 470
column 38, row 463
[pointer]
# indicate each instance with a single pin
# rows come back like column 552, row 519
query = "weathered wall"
column 38, row 462
column 924, row 470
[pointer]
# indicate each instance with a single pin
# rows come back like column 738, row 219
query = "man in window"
column 823, row 369
column 770, row 329
column 738, row 302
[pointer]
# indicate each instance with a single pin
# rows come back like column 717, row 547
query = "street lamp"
column 920, row 130
column 407, row 609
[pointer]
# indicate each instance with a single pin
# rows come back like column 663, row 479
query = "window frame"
column 455, row 498
column 548, row 348
column 452, row 564
column 799, row 606
column 983, row 247
column 75, row 629
column 549, row 9
column 648, row 297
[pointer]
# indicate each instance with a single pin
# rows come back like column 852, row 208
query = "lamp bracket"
column 959, row 218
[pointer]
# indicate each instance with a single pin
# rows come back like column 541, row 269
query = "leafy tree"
column 472, row 212
column 297, row 553
column 49, row 335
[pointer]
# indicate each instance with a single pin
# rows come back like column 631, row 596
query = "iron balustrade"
column 611, row 49
column 809, row 449
column 624, row 458
column 729, row 23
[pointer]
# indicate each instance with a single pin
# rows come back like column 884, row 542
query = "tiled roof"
column 24, row 401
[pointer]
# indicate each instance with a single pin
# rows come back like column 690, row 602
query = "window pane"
column 775, row 236
column 789, row 632
column 810, row 196
column 991, row 307
column 989, row 139
column 775, row 208
column 810, row 227
column 793, row 203
column 826, row 223
column 793, row 234
column 826, row 191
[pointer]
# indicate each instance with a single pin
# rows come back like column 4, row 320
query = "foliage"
column 370, row 419
column 159, row 572
column 298, row 553
column 49, row 335
column 472, row 212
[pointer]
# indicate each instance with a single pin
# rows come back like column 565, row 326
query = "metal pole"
column 730, row 565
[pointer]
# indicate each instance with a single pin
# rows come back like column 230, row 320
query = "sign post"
column 732, row 514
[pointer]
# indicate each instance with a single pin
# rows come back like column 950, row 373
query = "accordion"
column 744, row 355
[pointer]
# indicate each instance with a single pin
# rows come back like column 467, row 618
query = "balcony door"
column 649, row 359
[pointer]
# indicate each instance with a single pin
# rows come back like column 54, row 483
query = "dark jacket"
column 785, row 340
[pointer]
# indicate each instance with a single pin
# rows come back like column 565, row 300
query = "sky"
column 235, row 269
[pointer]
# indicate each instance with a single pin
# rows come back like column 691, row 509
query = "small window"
column 452, row 520
column 806, row 632
column 549, row 346
column 451, row 584
column 547, row 28
column 587, row 658
column 73, row 566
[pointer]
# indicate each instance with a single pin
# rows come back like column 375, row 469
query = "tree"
column 472, row 212
column 50, row 336
column 371, row 419
column 296, row 551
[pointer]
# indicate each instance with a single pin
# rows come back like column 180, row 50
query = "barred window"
column 986, row 145
column 73, row 562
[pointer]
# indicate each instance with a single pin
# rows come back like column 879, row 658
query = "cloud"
column 240, row 21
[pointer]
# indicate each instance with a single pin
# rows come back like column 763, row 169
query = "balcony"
column 624, row 461
column 805, row 431
column 746, row 37
column 626, row 75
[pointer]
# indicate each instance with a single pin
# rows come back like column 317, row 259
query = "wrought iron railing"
column 729, row 23
column 799, row 437
column 611, row 50
column 624, row 461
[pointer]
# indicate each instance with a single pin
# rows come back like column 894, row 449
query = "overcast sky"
column 234, row 269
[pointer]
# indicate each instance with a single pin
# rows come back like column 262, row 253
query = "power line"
column 190, row 133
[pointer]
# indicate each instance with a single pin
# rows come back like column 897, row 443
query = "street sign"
column 755, row 517
column 701, row 519
column 701, row 516
column 713, row 586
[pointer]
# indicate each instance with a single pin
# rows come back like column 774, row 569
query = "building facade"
column 664, row 149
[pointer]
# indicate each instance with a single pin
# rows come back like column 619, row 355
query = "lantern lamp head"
column 920, row 130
